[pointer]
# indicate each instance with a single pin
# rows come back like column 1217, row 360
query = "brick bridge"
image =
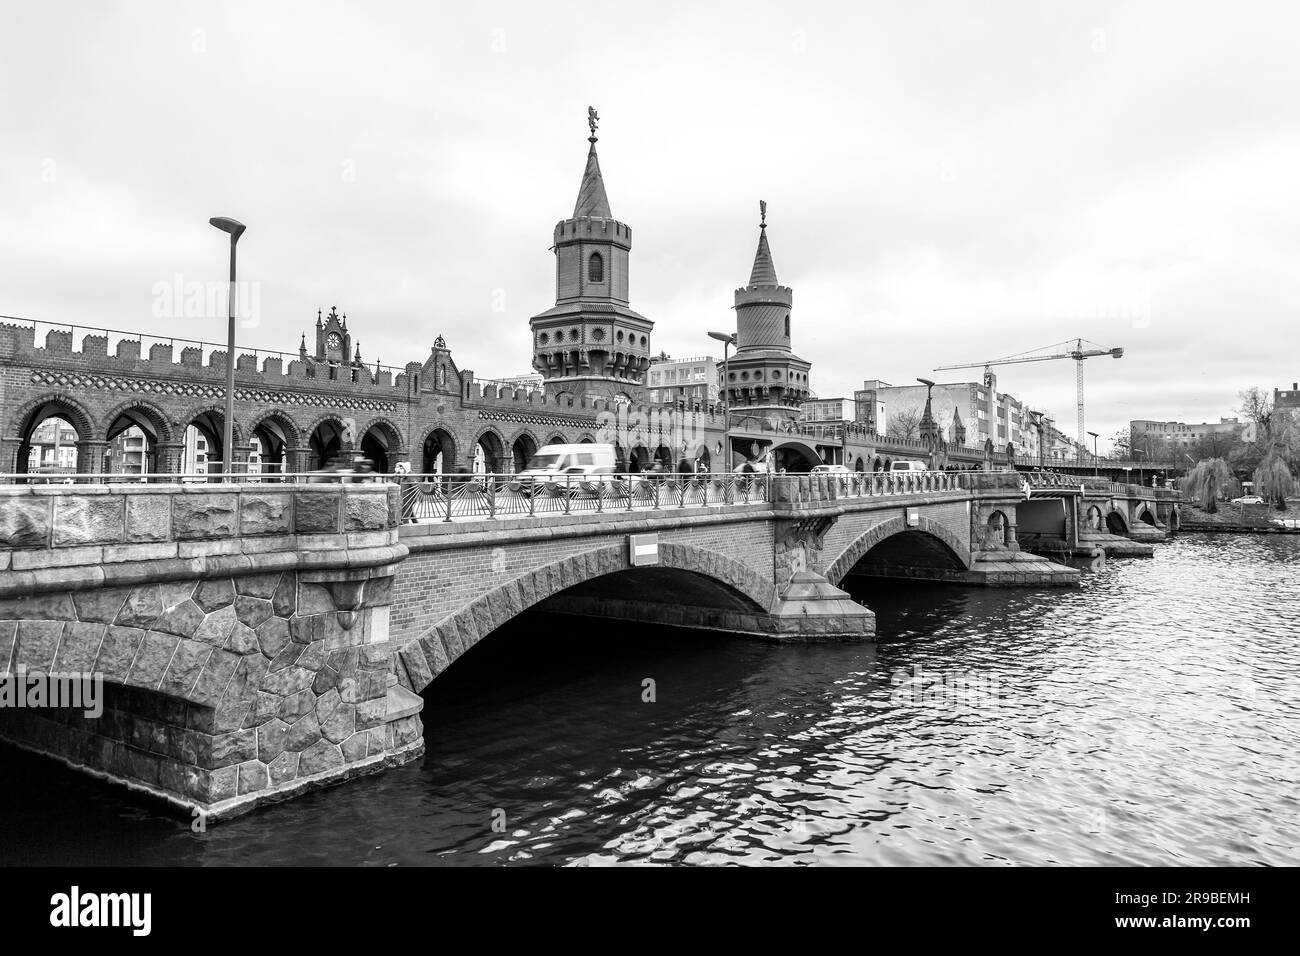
column 255, row 640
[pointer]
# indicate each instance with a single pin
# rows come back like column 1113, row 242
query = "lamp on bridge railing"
column 235, row 230
column 1094, row 454
column 728, row 339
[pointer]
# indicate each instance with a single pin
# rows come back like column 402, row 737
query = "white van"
column 908, row 466
column 552, row 461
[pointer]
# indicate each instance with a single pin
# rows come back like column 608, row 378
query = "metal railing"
column 452, row 497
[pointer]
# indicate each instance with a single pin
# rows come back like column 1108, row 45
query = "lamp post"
column 927, row 420
column 728, row 339
column 235, row 229
column 1095, row 472
column 1136, row 452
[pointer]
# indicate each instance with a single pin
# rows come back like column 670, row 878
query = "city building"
column 1172, row 435
column 1287, row 399
column 984, row 413
column 820, row 411
column 693, row 379
column 53, row 447
column 531, row 382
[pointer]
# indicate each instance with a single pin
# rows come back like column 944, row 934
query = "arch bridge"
column 254, row 640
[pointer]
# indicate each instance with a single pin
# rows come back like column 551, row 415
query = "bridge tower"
column 591, row 341
column 764, row 376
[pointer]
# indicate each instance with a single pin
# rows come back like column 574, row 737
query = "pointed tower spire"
column 592, row 200
column 958, row 428
column 764, row 272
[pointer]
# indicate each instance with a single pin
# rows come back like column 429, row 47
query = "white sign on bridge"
column 642, row 549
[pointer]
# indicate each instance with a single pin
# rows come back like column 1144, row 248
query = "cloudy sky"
column 947, row 182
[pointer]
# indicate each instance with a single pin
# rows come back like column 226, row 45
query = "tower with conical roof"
column 591, row 341
column 764, row 375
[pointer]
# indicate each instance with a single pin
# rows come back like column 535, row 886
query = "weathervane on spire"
column 762, row 211
column 592, row 119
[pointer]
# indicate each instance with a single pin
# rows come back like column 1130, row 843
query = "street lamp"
column 1094, row 454
column 235, row 229
column 1136, row 452
column 927, row 420
column 728, row 339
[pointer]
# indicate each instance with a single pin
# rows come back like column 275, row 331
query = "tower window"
column 596, row 268
column 787, row 326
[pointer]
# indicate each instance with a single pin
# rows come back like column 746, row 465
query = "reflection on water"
column 1147, row 717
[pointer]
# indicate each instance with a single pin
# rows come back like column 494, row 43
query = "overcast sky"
column 946, row 182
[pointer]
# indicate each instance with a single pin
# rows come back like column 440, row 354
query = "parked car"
column 1248, row 500
column 831, row 470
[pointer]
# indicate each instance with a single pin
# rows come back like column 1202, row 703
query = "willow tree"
column 1208, row 479
column 1273, row 479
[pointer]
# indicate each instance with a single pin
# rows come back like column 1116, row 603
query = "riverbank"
column 1241, row 519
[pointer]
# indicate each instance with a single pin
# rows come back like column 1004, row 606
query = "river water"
column 1150, row 716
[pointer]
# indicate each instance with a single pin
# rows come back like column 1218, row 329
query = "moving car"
column 1248, row 500
column 831, row 470
column 908, row 466
column 552, row 461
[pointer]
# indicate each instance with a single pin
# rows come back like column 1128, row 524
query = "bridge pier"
column 238, row 635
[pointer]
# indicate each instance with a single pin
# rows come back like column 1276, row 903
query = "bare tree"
column 904, row 424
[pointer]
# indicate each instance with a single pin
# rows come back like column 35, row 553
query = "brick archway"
column 427, row 656
column 837, row 569
column 157, row 419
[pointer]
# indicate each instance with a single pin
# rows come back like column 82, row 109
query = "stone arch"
column 557, row 439
column 492, row 457
column 998, row 531
column 858, row 548
column 586, row 438
column 1146, row 517
column 858, row 465
column 1093, row 520
column 425, row 657
column 1175, row 519
column 381, row 441
column 437, row 451
column 1116, row 521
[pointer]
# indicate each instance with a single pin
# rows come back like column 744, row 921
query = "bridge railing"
column 453, row 497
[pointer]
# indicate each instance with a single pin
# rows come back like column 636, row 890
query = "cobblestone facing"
column 214, row 689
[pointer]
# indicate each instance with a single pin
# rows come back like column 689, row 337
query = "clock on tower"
column 333, row 342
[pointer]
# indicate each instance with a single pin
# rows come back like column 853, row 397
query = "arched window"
column 787, row 326
column 596, row 268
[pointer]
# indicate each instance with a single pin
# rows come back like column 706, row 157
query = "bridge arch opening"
column 1146, row 517
column 438, row 453
column 275, row 433
column 895, row 549
column 795, row 456
column 522, row 449
column 382, row 444
column 1093, row 519
column 133, row 435
column 489, row 454
column 326, row 443
column 1175, row 519
column 1116, row 523
column 49, row 442
column 205, row 435
column 690, row 588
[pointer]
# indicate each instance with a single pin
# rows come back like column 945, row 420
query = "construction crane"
column 1076, row 352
